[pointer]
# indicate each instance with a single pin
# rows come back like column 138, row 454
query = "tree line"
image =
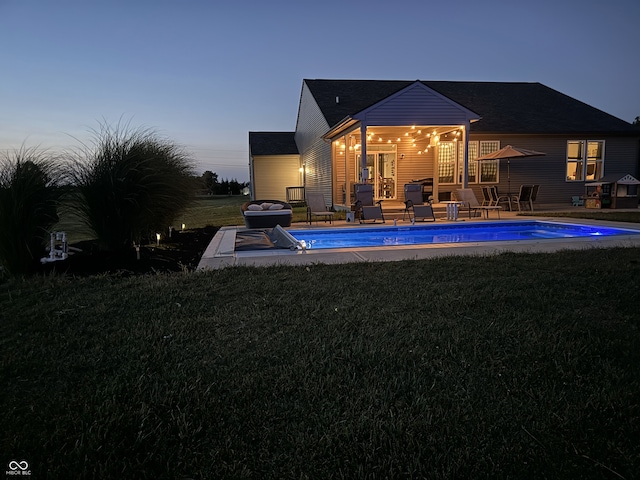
column 210, row 184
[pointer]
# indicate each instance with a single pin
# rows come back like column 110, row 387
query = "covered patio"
column 390, row 145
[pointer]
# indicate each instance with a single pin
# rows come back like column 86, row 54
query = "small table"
column 452, row 209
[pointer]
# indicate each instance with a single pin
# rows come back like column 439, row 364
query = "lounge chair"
column 316, row 207
column 365, row 205
column 470, row 202
column 414, row 204
column 421, row 213
column 266, row 213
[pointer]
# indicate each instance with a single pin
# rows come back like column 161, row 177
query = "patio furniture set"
column 269, row 213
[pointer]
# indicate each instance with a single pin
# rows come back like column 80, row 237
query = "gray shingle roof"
column 272, row 143
column 505, row 107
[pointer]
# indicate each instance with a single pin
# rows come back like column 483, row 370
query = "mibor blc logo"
column 18, row 468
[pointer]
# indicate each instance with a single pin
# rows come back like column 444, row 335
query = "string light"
column 415, row 135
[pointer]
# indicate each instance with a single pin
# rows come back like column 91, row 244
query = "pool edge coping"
column 220, row 252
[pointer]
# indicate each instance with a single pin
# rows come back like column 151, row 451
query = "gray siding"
column 315, row 153
column 621, row 157
column 416, row 105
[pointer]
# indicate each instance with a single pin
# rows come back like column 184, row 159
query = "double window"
column 451, row 162
column 585, row 160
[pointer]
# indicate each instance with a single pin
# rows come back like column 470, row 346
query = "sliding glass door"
column 382, row 166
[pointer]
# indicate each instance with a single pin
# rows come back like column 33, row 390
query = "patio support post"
column 436, row 174
column 363, row 152
column 465, row 176
column 347, row 190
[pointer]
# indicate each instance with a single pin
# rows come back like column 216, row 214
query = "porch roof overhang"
column 343, row 127
column 350, row 124
column 427, row 107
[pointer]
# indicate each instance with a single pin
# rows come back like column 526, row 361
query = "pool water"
column 450, row 233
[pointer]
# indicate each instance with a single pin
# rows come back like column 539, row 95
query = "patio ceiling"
column 422, row 137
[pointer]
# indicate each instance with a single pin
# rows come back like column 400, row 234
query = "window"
column 487, row 169
column 446, row 162
column 473, row 165
column 585, row 160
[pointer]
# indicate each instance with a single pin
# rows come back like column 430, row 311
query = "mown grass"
column 513, row 366
column 510, row 366
column 607, row 215
column 214, row 210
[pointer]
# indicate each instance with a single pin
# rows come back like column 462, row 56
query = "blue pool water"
column 450, row 233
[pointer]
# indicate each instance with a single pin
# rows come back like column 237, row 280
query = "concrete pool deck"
column 221, row 251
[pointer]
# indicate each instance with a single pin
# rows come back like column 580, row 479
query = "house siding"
column 401, row 104
column 315, row 153
column 276, row 173
column 549, row 171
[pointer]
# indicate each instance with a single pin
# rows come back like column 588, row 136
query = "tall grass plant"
column 128, row 184
column 29, row 196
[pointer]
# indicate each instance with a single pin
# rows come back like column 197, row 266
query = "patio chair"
column 523, row 197
column 534, row 195
column 469, row 201
column 365, row 205
column 497, row 199
column 414, row 203
column 577, row 201
column 317, row 207
column 421, row 213
column 486, row 195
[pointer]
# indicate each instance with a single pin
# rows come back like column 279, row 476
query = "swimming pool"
column 351, row 237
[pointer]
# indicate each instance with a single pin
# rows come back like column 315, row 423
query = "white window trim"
column 459, row 161
column 585, row 160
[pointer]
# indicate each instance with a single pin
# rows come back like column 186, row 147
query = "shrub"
column 129, row 184
column 29, row 197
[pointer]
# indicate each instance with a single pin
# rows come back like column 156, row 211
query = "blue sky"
column 205, row 75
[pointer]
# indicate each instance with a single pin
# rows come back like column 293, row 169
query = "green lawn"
column 222, row 211
column 513, row 366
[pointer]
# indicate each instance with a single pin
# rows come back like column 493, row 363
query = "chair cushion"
column 284, row 211
column 276, row 206
column 266, row 205
column 254, row 207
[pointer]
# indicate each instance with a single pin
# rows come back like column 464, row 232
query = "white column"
column 363, row 151
column 465, row 177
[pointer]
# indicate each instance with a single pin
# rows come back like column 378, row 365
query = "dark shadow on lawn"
column 181, row 252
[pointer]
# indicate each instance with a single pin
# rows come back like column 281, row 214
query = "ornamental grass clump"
column 29, row 195
column 129, row 184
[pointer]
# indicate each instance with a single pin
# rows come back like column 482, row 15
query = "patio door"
column 382, row 173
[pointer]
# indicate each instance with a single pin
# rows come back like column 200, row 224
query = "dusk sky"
column 205, row 73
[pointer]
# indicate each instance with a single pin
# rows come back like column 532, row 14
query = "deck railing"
column 295, row 195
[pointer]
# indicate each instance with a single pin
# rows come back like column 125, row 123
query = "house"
column 392, row 133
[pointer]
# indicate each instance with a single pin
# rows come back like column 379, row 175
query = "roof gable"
column 416, row 104
column 272, row 143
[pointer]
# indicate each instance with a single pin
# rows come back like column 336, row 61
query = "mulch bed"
column 180, row 252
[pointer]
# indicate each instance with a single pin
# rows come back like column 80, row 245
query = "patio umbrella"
column 508, row 153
